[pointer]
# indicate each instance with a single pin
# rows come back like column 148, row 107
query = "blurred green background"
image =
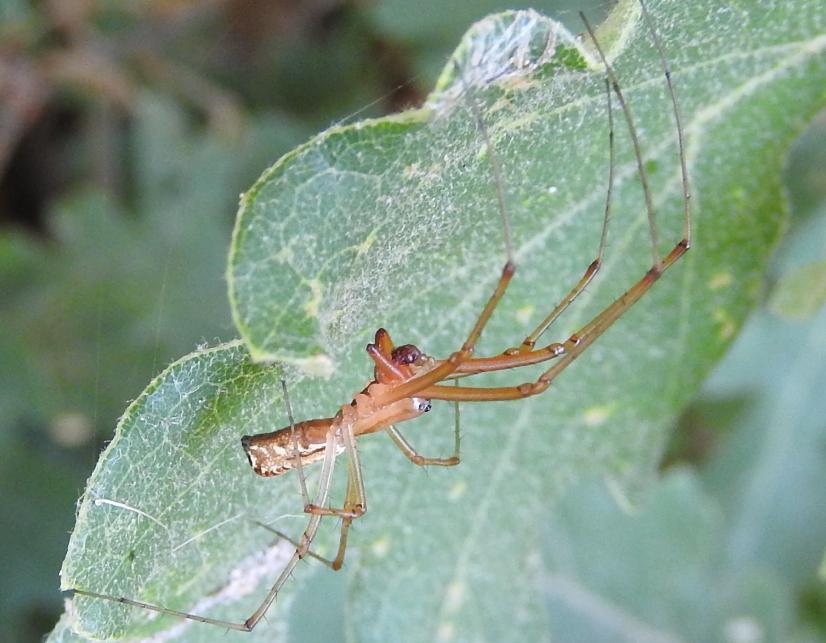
column 127, row 131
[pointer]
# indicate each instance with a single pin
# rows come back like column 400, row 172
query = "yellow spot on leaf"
column 457, row 490
column 727, row 325
column 741, row 196
column 523, row 315
column 380, row 547
column 365, row 245
column 720, row 280
column 312, row 306
column 285, row 255
column 598, row 415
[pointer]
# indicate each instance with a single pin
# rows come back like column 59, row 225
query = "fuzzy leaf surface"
column 394, row 223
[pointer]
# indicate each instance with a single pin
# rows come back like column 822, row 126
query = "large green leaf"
column 770, row 474
column 673, row 553
column 393, row 222
column 724, row 554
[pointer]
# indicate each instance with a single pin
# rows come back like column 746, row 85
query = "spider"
column 405, row 379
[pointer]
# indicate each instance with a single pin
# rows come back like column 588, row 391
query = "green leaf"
column 800, row 290
column 770, row 474
column 800, row 293
column 148, row 541
column 806, row 171
column 670, row 551
column 393, row 223
column 728, row 550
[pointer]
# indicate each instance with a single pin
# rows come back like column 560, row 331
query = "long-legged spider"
column 405, row 379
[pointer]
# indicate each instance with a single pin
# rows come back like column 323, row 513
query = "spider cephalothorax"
column 396, row 364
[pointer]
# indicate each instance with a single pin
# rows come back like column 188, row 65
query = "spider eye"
column 423, row 405
column 406, row 354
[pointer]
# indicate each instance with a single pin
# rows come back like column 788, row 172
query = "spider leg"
column 416, row 458
column 530, row 341
column 574, row 346
column 635, row 141
column 284, row 536
column 347, row 514
column 302, row 480
column 355, row 500
column 678, row 120
column 324, row 483
column 578, row 342
column 478, row 365
column 242, row 627
column 301, row 550
column 454, row 361
column 526, row 353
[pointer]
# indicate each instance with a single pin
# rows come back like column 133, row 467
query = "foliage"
column 90, row 315
column 393, row 221
column 717, row 553
column 145, row 121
